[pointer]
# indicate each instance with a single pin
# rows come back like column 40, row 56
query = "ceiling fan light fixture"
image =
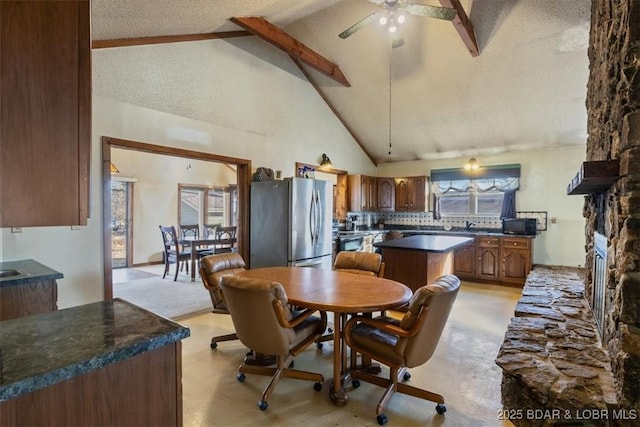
column 392, row 28
column 383, row 20
column 401, row 18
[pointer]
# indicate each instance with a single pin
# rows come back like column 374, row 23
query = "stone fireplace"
column 571, row 355
column 613, row 107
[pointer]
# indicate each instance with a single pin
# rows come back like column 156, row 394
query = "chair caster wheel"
column 241, row 377
column 317, row 386
column 382, row 419
column 440, row 408
column 406, row 376
column 291, row 365
column 319, row 345
column 330, row 330
column 214, row 345
column 262, row 405
column 355, row 383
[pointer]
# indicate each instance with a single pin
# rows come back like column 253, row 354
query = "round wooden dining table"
column 338, row 292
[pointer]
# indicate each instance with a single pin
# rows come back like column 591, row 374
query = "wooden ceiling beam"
column 140, row 41
column 463, row 26
column 296, row 49
column 332, row 108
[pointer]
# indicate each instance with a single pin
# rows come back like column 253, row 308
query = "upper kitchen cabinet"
column 411, row 194
column 386, row 195
column 363, row 193
column 45, row 107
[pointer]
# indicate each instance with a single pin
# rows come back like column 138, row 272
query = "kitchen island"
column 419, row 260
column 105, row 363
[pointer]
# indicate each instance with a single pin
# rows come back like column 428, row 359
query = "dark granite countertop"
column 44, row 349
column 426, row 243
column 29, row 271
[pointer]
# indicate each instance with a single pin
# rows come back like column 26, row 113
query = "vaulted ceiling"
column 430, row 97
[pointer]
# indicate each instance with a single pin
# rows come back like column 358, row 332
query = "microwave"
column 520, row 226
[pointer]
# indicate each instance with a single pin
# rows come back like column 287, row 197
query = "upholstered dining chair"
column 404, row 343
column 212, row 268
column 357, row 262
column 263, row 321
column 173, row 253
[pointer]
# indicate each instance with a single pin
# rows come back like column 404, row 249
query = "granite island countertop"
column 426, row 243
column 29, row 271
column 44, row 349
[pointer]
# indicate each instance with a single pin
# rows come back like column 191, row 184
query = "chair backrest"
column 428, row 311
column 251, row 305
column 367, row 263
column 213, row 267
column 169, row 239
column 190, row 231
column 209, row 231
column 226, row 233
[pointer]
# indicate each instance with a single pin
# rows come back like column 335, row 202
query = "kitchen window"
column 484, row 192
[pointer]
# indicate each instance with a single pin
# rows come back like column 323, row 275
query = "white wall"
column 231, row 103
column 545, row 175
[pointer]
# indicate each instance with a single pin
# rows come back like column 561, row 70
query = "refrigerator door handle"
column 320, row 219
column 312, row 219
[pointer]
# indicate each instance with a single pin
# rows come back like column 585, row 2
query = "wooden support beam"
column 139, row 41
column 463, row 26
column 296, row 49
column 332, row 108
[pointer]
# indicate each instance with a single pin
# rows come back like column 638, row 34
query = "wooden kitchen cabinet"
column 504, row 260
column 488, row 258
column 363, row 193
column 411, row 194
column 386, row 194
column 45, row 133
column 464, row 262
column 516, row 259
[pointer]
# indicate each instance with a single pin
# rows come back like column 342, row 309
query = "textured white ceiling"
column 526, row 90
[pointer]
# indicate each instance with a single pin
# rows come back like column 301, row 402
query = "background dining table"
column 338, row 292
column 195, row 242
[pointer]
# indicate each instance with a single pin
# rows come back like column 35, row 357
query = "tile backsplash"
column 425, row 219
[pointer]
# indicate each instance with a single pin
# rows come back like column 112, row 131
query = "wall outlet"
column 16, row 229
column 278, row 174
column 554, row 220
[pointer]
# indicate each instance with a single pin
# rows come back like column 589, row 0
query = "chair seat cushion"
column 305, row 328
column 373, row 340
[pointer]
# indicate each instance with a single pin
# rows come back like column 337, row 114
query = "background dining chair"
column 263, row 321
column 404, row 343
column 192, row 231
column 357, row 262
column 173, row 253
column 227, row 238
column 212, row 269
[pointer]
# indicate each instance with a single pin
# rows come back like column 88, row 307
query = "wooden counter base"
column 416, row 268
column 143, row 390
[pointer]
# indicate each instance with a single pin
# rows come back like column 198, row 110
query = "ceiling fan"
column 394, row 14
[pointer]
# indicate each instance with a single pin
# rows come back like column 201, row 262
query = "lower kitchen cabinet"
column 516, row 260
column 505, row 260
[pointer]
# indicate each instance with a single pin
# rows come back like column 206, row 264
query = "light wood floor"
column 462, row 370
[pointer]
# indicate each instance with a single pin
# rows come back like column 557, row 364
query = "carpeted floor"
column 161, row 296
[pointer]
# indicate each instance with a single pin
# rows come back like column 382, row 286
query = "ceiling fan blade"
column 432, row 11
column 358, row 25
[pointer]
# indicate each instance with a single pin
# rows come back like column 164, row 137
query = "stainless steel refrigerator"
column 291, row 223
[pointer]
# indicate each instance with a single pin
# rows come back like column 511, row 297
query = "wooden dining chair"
column 227, row 239
column 263, row 321
column 192, row 231
column 173, row 253
column 404, row 343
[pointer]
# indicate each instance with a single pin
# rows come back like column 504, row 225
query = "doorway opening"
column 121, row 223
column 242, row 170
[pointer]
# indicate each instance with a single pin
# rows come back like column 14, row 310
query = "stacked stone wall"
column 613, row 107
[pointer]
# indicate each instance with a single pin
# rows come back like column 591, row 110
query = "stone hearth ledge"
column 555, row 370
